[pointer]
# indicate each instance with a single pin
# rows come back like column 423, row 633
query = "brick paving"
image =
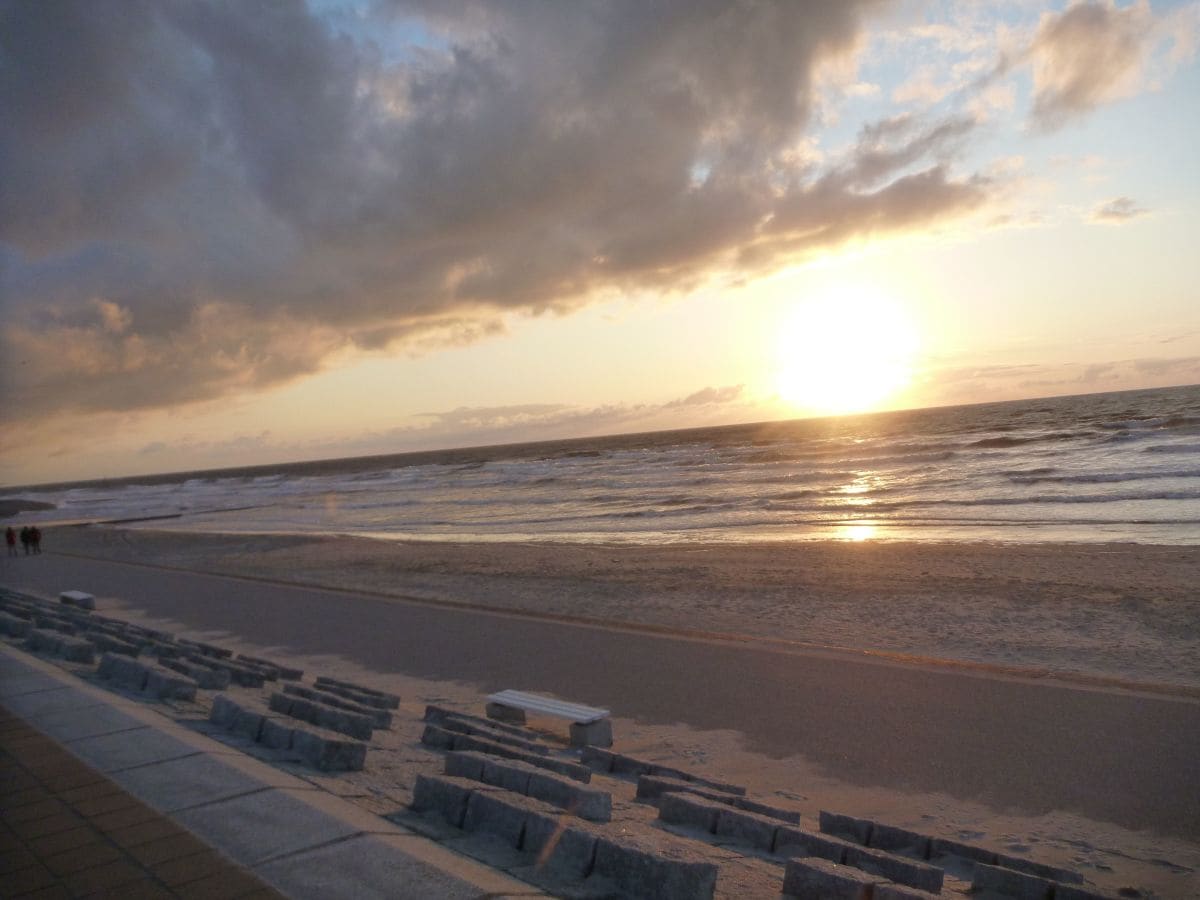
column 68, row 831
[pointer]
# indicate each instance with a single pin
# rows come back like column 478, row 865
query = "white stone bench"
column 590, row 725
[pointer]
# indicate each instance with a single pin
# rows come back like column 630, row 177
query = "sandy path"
column 1117, row 611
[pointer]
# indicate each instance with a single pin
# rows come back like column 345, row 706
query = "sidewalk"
column 104, row 796
column 68, row 831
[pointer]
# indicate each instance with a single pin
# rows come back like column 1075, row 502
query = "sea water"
column 1101, row 467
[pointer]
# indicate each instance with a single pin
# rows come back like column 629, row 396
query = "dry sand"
column 1118, row 612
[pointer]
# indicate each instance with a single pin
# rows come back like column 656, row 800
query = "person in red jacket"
column 10, row 538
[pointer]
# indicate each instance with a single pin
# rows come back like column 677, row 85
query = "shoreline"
column 1119, row 616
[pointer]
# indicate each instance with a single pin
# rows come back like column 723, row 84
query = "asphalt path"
column 1014, row 745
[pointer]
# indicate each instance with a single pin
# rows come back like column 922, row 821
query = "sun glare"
column 845, row 352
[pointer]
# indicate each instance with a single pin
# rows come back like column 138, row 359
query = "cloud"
column 473, row 426
column 709, row 396
column 1095, row 52
column 1118, row 211
column 206, row 199
column 951, row 383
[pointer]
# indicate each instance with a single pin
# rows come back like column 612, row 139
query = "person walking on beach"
column 25, row 538
column 10, row 538
column 35, row 538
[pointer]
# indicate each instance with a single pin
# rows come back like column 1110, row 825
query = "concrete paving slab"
column 262, row 826
column 19, row 682
column 388, row 867
column 125, row 749
column 33, row 705
column 73, row 724
column 184, row 783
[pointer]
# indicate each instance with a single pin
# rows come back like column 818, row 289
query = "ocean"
column 1100, row 467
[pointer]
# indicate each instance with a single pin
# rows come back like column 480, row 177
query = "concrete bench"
column 590, row 725
column 80, row 599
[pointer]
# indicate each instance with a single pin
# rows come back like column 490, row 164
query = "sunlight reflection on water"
column 860, row 532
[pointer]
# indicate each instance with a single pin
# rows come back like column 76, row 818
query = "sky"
column 242, row 233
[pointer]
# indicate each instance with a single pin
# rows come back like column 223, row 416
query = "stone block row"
column 206, row 649
column 380, row 718
column 807, row 877
column 661, row 868
column 55, row 643
column 105, row 634
column 108, row 643
column 440, row 739
column 146, row 677
column 14, row 625
column 316, row 713
column 358, row 693
column 282, row 673
column 652, row 787
column 324, row 750
column 926, row 847
column 438, row 714
column 208, row 678
column 243, row 674
column 1020, row 885
column 530, row 781
column 464, row 726
column 601, row 760
column 52, row 622
column 771, row 836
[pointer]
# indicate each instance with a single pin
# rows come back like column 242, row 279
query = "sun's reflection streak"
column 857, row 533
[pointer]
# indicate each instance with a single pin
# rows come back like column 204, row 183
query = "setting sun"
column 845, row 352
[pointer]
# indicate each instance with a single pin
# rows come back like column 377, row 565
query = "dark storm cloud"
column 202, row 198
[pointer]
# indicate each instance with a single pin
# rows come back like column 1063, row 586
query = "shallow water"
column 1102, row 467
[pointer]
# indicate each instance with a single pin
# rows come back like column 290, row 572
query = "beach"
column 1032, row 736
column 1104, row 612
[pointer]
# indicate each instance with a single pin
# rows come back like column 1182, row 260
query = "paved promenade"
column 103, row 796
column 68, row 831
column 1027, row 746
